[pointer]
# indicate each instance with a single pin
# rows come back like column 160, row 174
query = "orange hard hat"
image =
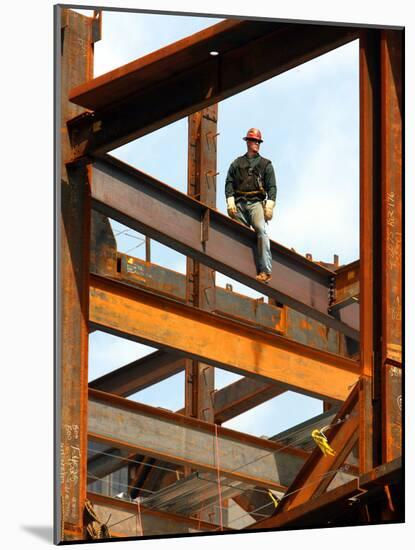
column 253, row 133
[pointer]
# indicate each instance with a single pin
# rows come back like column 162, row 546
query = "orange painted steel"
column 75, row 64
column 392, row 307
column 136, row 314
column 324, row 509
column 347, row 282
column 118, row 119
column 312, row 480
column 368, row 178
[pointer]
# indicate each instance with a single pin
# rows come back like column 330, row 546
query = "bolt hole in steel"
column 214, row 53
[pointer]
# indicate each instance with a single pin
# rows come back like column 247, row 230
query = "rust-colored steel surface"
column 119, row 422
column 369, row 177
column 313, row 480
column 391, row 113
column 343, row 505
column 328, row 332
column 154, row 522
column 200, row 279
column 149, row 206
column 241, row 396
column 140, row 374
column 346, row 285
column 266, row 48
column 136, row 314
column 74, row 60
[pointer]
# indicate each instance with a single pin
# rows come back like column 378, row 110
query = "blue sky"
column 309, row 120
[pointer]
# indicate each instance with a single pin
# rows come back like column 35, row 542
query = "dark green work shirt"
column 270, row 184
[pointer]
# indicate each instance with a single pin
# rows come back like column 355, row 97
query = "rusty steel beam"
column 103, row 246
column 171, row 88
column 74, row 58
column 201, row 185
column 230, row 401
column 312, row 480
column 285, row 321
column 140, row 374
column 391, row 52
column 136, row 314
column 346, row 290
column 242, row 396
column 124, row 516
column 369, row 236
column 149, row 206
column 326, row 508
column 172, row 437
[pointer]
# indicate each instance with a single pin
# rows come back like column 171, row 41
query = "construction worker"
column 250, row 191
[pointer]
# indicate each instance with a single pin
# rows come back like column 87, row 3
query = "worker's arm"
column 229, row 192
column 271, row 189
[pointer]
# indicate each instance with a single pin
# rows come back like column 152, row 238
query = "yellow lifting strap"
column 322, row 442
column 274, row 500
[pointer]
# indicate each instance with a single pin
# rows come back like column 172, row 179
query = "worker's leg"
column 242, row 214
column 257, row 220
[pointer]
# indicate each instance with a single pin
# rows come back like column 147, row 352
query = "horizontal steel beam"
column 230, row 401
column 325, row 508
column 124, row 517
column 160, row 322
column 242, row 396
column 149, row 206
column 140, row 374
column 173, row 88
column 286, row 321
column 175, row 438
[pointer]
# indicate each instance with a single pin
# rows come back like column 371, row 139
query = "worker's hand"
column 268, row 210
column 232, row 210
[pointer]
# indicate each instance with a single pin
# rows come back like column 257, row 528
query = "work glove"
column 268, row 210
column 232, row 210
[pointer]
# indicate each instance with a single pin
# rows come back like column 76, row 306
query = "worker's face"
column 253, row 145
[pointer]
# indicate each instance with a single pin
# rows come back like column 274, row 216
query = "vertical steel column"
column 391, row 117
column 369, row 257
column 200, row 285
column 75, row 65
